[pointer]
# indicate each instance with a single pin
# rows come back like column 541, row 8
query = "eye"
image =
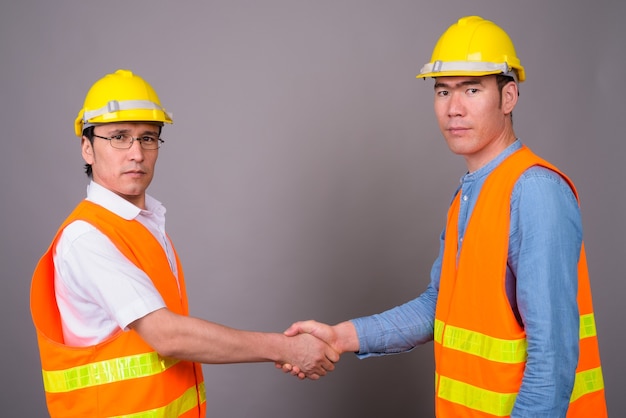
column 442, row 93
column 472, row 91
column 118, row 137
column 149, row 139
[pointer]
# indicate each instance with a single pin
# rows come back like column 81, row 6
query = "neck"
column 484, row 156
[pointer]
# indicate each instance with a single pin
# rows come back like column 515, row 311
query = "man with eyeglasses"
column 108, row 298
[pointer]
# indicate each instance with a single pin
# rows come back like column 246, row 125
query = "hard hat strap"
column 469, row 66
column 115, row 106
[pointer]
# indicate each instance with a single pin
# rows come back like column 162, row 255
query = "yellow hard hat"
column 474, row 46
column 120, row 97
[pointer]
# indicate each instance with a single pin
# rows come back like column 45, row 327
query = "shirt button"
column 465, row 198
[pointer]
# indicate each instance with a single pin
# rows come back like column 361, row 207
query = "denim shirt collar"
column 484, row 171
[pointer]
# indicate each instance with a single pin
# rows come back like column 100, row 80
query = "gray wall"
column 304, row 176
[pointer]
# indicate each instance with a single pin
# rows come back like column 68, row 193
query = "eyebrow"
column 473, row 82
column 127, row 131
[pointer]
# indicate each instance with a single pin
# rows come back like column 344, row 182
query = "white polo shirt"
column 99, row 291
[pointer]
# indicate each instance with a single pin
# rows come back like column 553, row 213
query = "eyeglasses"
column 125, row 141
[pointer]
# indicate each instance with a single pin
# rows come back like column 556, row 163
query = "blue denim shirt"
column 545, row 239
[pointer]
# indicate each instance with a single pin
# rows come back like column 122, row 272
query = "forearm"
column 399, row 329
column 207, row 342
column 203, row 341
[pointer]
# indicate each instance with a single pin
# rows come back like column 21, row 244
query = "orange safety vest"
column 480, row 348
column 122, row 376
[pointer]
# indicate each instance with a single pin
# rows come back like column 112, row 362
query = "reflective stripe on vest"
column 503, row 351
column 501, row 404
column 587, row 382
column 496, row 349
column 481, row 345
column 187, row 402
column 494, row 403
column 107, row 371
column 587, row 326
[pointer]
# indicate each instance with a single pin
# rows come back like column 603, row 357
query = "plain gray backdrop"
column 304, row 176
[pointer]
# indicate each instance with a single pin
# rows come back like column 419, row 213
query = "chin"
column 458, row 149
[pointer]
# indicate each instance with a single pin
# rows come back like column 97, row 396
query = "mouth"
column 134, row 173
column 457, row 130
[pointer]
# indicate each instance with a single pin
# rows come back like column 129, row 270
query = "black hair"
column 88, row 133
column 502, row 80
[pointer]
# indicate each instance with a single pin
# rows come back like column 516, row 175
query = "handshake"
column 315, row 347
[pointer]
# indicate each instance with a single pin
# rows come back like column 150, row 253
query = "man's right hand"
column 341, row 338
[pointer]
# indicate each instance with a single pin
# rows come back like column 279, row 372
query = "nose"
column 136, row 151
column 455, row 105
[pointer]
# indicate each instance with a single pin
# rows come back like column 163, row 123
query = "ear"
column 510, row 93
column 87, row 150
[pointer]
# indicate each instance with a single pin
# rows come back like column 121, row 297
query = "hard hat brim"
column 434, row 74
column 157, row 116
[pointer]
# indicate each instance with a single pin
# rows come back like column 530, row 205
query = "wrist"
column 347, row 338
